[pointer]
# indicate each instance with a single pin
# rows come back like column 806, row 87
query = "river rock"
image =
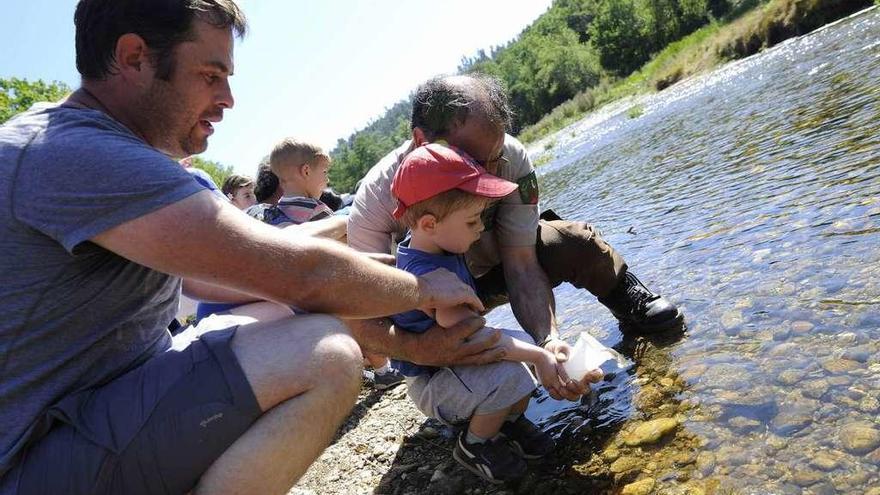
column 840, row 365
column 806, row 477
column 731, row 319
column 826, row 461
column 801, row 327
column 861, row 354
column 860, row 438
column 790, row 377
column 784, row 349
column 650, row 431
column 705, row 463
column 625, row 464
column 726, row 376
column 815, row 389
column 794, row 418
column 743, row 424
column 869, row 404
column 641, row 487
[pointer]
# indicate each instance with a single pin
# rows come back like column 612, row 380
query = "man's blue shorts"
column 155, row 429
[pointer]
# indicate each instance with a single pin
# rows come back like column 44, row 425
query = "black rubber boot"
column 639, row 309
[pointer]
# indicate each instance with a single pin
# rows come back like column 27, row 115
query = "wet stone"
column 823, row 488
column 742, row 424
column 625, row 464
column 793, row 419
column 825, row 461
column 840, row 365
column 641, row 487
column 684, row 458
column 731, row 319
column 801, row 327
column 860, row 438
column 806, row 477
column 869, row 405
column 786, row 349
column 861, row 354
column 650, row 431
column 815, row 389
column 790, row 377
column 705, row 463
column 726, row 376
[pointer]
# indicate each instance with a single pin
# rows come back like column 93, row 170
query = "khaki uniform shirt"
column 510, row 222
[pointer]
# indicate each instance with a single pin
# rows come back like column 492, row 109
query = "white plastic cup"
column 586, row 355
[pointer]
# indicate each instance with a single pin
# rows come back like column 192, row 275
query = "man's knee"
column 575, row 252
column 289, row 357
column 337, row 354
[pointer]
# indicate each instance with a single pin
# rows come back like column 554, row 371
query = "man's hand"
column 570, row 389
column 442, row 289
column 453, row 346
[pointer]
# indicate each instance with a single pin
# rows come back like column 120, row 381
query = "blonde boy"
column 302, row 170
column 441, row 194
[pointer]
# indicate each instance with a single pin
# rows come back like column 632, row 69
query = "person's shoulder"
column 518, row 162
column 381, row 174
column 414, row 261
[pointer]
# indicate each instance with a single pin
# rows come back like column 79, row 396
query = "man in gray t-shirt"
column 98, row 226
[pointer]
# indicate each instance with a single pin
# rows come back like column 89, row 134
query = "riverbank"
column 388, row 447
column 704, row 50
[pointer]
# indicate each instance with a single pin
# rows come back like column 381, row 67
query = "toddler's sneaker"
column 527, row 439
column 494, row 461
column 381, row 381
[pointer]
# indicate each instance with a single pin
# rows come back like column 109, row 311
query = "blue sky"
column 313, row 69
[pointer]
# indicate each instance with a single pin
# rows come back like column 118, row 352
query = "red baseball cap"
column 435, row 168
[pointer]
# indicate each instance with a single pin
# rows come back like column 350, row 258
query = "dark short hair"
column 163, row 24
column 235, row 182
column 267, row 183
column 446, row 101
column 331, row 199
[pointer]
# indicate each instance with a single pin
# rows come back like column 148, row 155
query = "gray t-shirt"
column 72, row 314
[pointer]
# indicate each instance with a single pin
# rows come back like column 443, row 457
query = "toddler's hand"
column 547, row 370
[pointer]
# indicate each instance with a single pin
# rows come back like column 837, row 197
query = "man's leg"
column 574, row 252
column 236, row 410
column 305, row 373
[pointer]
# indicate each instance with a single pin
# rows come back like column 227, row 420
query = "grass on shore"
column 761, row 27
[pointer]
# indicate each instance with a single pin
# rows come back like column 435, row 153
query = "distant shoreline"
column 702, row 51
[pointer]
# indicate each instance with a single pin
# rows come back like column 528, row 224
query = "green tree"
column 617, row 32
column 216, row 170
column 17, row 95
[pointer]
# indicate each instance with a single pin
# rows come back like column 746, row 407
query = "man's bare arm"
column 436, row 347
column 331, row 228
column 531, row 296
column 203, row 291
column 216, row 243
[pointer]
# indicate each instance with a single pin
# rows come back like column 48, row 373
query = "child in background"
column 441, row 195
column 302, row 169
column 240, row 191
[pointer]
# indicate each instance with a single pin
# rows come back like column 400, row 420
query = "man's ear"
column 133, row 58
column 418, row 136
column 305, row 169
column 427, row 223
column 230, row 196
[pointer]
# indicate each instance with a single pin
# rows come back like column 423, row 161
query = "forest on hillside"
column 573, row 46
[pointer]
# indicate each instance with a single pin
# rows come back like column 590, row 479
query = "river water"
column 751, row 198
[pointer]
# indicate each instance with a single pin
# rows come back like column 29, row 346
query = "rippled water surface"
column 751, row 198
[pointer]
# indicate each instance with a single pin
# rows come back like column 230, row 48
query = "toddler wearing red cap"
column 441, row 194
